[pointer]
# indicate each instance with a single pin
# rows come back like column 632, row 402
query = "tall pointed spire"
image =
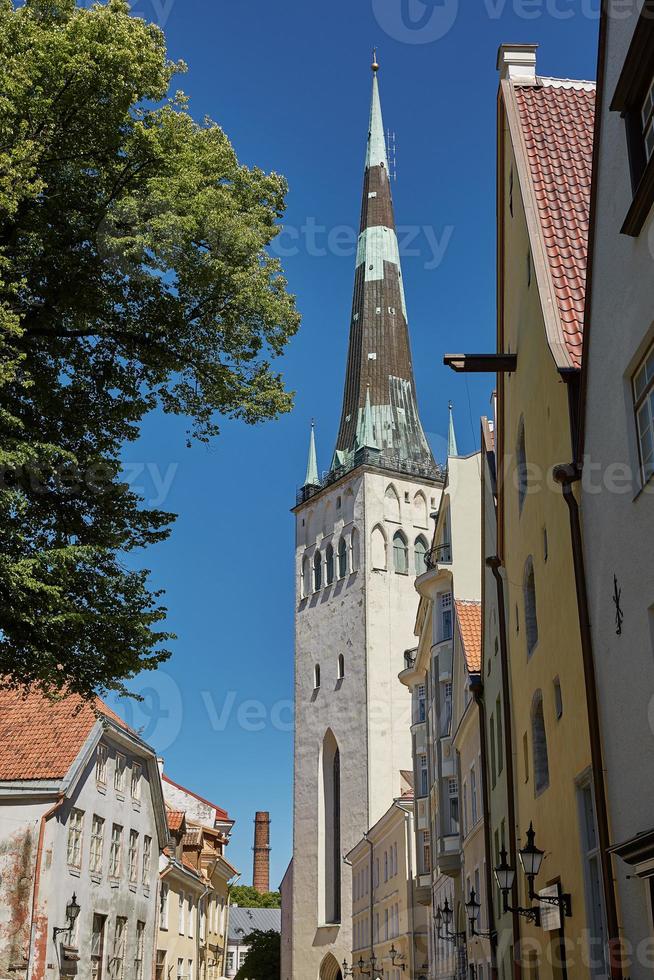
column 311, row 479
column 452, row 449
column 379, row 366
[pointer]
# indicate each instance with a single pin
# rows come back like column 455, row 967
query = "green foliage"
column 263, row 959
column 249, row 898
column 134, row 274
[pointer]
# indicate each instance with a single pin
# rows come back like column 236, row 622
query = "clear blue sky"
column 289, row 81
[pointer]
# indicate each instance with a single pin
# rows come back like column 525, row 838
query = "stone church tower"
column 362, row 531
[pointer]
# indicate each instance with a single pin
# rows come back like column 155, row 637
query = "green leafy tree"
column 263, row 958
column 249, row 898
column 134, row 275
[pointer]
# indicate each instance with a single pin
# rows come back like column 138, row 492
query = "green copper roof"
column 311, row 479
column 366, row 433
column 452, row 449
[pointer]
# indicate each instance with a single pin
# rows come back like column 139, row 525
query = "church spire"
column 379, row 381
column 452, row 449
column 311, row 478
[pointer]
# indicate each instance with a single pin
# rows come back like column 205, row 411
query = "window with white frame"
column 116, row 851
column 101, row 764
column 75, row 832
column 139, row 950
column 136, row 782
column 119, row 773
column 190, row 970
column 133, row 856
column 163, row 905
column 160, row 965
column 97, row 844
column 191, row 916
column 230, row 961
column 181, row 914
column 445, row 603
column 453, row 796
column 241, row 957
column 147, row 860
column 423, row 775
column 643, row 393
column 117, row 960
column 473, row 796
column 97, row 946
column 180, row 969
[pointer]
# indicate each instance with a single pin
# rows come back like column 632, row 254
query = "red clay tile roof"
column 40, row 739
column 175, row 820
column 468, row 616
column 192, row 838
column 557, row 121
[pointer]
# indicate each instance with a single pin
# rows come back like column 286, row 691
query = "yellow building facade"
column 544, row 161
column 389, row 927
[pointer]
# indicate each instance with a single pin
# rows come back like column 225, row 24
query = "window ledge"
column 641, row 204
column 96, row 878
column 75, row 872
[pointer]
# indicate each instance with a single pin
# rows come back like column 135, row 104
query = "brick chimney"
column 261, row 864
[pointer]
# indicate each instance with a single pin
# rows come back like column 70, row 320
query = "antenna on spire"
column 375, row 63
column 391, row 153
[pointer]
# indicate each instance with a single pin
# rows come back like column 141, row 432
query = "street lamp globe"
column 504, row 873
column 531, row 857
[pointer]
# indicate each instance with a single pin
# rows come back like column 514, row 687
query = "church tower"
column 362, row 532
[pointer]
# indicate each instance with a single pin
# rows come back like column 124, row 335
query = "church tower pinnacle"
column 379, row 364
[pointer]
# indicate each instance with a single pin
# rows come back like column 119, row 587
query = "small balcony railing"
column 440, row 555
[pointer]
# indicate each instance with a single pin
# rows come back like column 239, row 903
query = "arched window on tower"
column 329, row 562
column 355, row 550
column 392, row 505
column 316, row 677
column 342, row 558
column 341, row 666
column 317, row 571
column 378, row 548
column 531, row 618
column 420, row 510
column 539, row 743
column 330, row 830
column 400, row 554
column 305, row 585
column 420, row 551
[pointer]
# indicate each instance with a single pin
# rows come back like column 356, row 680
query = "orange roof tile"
column 41, row 738
column 175, row 820
column 557, row 119
column 468, row 615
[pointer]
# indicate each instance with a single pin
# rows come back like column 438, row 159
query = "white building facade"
column 362, row 533
column 617, row 450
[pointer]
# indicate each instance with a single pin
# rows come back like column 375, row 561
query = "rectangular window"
column 385, row 924
column 423, row 776
column 133, row 857
column 147, row 861
column 180, row 969
column 593, row 881
column 160, row 968
column 119, row 773
column 230, row 961
column 117, row 961
column 473, row 796
column 75, row 831
column 136, row 782
column 116, row 852
column 493, row 761
column 181, row 917
column 453, row 794
column 97, row 947
column 500, row 743
column 191, row 916
column 163, row 906
column 190, row 970
column 422, row 695
column 446, row 616
column 464, row 793
column 101, row 765
column 138, row 951
column 97, row 844
column 643, row 393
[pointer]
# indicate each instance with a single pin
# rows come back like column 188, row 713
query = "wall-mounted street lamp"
column 372, row 963
column 505, row 877
column 531, row 859
column 397, row 959
column 473, row 908
column 347, row 971
column 443, row 918
column 72, row 911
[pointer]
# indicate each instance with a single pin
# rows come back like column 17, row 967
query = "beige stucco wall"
column 536, row 394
